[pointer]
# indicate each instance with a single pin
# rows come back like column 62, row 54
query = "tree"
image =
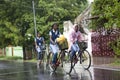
column 16, row 18
column 51, row 11
column 107, row 12
column 108, row 17
column 13, row 24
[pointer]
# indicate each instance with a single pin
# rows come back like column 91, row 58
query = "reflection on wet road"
column 106, row 74
column 29, row 71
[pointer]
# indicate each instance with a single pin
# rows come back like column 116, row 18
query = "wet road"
column 28, row 71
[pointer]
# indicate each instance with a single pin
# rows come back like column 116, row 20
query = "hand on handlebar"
column 53, row 43
column 37, row 46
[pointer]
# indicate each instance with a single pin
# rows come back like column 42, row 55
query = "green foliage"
column 16, row 18
column 115, row 45
column 57, row 11
column 13, row 22
column 108, row 13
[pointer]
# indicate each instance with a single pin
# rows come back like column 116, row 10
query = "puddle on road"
column 29, row 71
column 102, row 74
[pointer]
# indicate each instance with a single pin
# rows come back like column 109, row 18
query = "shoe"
column 57, row 64
column 76, row 60
column 61, row 65
column 53, row 65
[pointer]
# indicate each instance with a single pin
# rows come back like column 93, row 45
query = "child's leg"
column 54, row 58
column 72, row 54
column 39, row 58
column 54, row 51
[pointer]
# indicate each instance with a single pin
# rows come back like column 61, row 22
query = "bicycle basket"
column 63, row 45
column 83, row 45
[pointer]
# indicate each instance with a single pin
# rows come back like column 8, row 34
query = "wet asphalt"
column 14, row 70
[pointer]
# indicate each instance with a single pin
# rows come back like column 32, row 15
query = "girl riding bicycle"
column 74, row 37
column 39, row 41
column 75, row 40
column 54, row 34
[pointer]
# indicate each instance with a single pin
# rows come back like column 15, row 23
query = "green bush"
column 115, row 45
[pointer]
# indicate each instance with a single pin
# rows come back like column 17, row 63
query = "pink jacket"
column 74, row 36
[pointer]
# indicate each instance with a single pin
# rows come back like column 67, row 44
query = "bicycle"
column 42, row 54
column 83, row 57
column 60, row 57
column 58, row 61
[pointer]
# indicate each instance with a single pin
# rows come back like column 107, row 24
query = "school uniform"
column 39, row 41
column 54, row 47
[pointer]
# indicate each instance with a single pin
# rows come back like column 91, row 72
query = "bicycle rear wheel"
column 85, row 59
column 67, row 62
column 62, row 57
column 44, row 56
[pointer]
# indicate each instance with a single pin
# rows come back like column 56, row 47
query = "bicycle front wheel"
column 49, row 62
column 85, row 59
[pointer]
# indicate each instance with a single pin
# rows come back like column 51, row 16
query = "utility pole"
column 34, row 18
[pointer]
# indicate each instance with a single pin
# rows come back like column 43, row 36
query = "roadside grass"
column 31, row 60
column 16, row 58
column 116, row 62
column 10, row 58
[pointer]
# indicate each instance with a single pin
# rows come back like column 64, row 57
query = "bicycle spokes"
column 85, row 59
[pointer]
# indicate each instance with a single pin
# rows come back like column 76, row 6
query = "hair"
column 38, row 33
column 54, row 24
column 75, row 25
column 82, row 30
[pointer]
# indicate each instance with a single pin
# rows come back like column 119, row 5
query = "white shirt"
column 50, row 33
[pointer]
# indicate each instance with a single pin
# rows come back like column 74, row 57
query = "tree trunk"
column 24, row 53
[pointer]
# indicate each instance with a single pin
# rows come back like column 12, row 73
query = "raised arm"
column 36, row 43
